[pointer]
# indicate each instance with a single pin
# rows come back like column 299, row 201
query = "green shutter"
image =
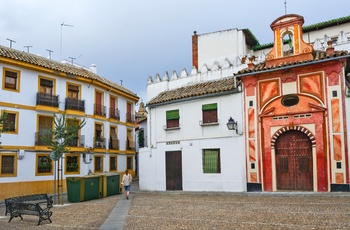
column 211, row 161
column 213, row 106
column 172, row 114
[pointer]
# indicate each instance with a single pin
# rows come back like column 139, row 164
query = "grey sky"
column 130, row 40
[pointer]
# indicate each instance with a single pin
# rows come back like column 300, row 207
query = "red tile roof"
column 196, row 90
column 68, row 69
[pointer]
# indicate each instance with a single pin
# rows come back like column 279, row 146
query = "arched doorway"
column 294, row 167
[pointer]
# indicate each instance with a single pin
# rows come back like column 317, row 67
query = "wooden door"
column 294, row 170
column 173, row 170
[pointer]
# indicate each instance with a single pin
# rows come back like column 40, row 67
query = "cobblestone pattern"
column 203, row 211
column 81, row 215
column 200, row 211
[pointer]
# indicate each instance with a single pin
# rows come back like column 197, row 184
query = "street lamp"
column 232, row 125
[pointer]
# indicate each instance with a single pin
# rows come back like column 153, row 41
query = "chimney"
column 250, row 64
column 330, row 48
column 93, row 68
column 195, row 49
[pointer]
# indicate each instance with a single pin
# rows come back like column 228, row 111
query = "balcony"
column 100, row 110
column 78, row 141
column 113, row 144
column 130, row 145
column 40, row 138
column 74, row 104
column 114, row 113
column 47, row 99
column 99, row 142
column 130, row 118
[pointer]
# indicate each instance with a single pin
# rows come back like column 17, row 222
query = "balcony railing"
column 114, row 113
column 113, row 144
column 130, row 118
column 99, row 142
column 130, row 145
column 75, row 104
column 47, row 99
column 100, row 110
column 78, row 141
column 41, row 136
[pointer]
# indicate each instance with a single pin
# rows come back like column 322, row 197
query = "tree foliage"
column 65, row 130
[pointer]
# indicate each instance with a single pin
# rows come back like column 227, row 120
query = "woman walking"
column 127, row 178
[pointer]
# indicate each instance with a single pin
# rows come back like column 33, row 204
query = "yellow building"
column 33, row 89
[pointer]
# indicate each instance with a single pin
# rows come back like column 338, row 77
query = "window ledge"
column 173, row 128
column 209, row 124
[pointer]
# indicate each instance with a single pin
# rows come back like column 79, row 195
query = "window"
column 11, row 79
column 99, row 139
column 129, row 163
column 130, row 117
column 8, row 165
column 46, row 95
column 74, row 142
column 130, row 141
column 73, row 91
column 113, row 163
column 100, row 109
column 114, row 144
column 72, row 164
column 98, row 163
column 172, row 119
column 46, row 86
column 45, row 125
column 290, row 100
column 44, row 164
column 10, row 124
column 113, row 108
column 210, row 113
column 211, row 161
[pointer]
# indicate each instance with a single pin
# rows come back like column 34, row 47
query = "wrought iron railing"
column 47, row 99
column 130, row 118
column 113, row 144
column 75, row 104
column 99, row 142
column 114, row 113
column 100, row 110
column 78, row 141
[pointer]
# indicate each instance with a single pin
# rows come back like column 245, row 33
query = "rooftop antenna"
column 63, row 24
column 72, row 58
column 285, row 6
column 28, row 48
column 50, row 51
column 11, row 42
column 121, row 82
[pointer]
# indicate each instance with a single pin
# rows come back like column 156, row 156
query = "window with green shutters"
column 211, row 161
column 210, row 113
column 172, row 119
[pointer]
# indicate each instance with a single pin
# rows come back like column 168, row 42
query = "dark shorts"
column 127, row 188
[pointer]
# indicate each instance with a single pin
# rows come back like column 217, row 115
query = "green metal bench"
column 38, row 205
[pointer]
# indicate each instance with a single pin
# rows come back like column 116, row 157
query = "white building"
column 33, row 89
column 187, row 114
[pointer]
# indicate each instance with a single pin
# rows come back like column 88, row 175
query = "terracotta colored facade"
column 295, row 115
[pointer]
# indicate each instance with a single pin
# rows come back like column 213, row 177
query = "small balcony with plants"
column 99, row 142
